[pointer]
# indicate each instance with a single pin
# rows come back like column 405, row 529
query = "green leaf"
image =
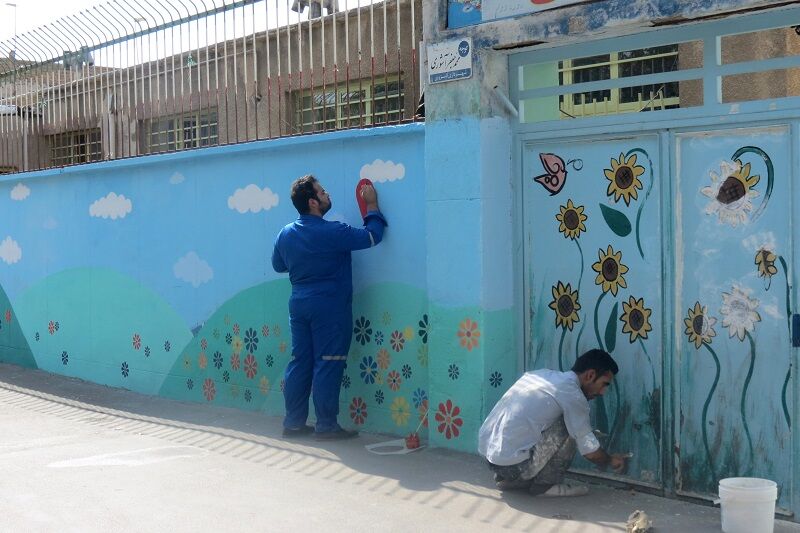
column 616, row 220
column 611, row 329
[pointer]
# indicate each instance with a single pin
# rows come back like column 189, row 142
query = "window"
column 620, row 65
column 190, row 130
column 338, row 107
column 74, row 147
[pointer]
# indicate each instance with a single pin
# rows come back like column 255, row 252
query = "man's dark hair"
column 302, row 192
column 598, row 360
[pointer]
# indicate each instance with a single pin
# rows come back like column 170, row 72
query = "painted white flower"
column 731, row 193
column 739, row 313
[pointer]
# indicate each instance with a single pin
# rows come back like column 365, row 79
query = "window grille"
column 74, row 147
column 190, row 130
column 358, row 103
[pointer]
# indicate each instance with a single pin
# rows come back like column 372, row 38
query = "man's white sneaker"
column 566, row 489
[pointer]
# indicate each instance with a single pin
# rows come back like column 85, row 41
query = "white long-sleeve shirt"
column 530, row 406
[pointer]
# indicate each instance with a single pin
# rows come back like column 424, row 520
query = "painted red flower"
column 468, row 334
column 358, row 410
column 203, row 344
column 250, row 366
column 8, row 315
column 265, row 330
column 394, row 380
column 51, row 327
column 235, row 362
column 137, row 341
column 236, row 329
column 209, row 389
column 397, row 341
column 449, row 422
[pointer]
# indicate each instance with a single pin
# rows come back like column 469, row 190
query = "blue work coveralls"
column 316, row 254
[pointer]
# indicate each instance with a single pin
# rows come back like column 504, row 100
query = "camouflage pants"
column 549, row 460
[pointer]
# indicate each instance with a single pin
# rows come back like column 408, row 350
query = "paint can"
column 747, row 504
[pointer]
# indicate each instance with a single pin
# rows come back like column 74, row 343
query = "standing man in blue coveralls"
column 316, row 254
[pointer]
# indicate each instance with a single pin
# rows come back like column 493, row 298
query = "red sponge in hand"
column 362, row 205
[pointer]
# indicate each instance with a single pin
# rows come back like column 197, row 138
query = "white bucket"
column 748, row 504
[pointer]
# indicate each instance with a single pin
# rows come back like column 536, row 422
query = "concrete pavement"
column 76, row 456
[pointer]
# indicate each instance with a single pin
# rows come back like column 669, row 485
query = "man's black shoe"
column 293, row 433
column 337, row 434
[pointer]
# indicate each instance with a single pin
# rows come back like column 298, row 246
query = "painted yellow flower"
column 565, row 304
column 383, row 358
column 610, row 270
column 765, row 260
column 571, row 220
column 468, row 334
column 187, row 363
column 236, row 345
column 699, row 326
column 624, row 178
column 636, row 318
column 263, row 385
column 731, row 193
column 401, row 411
column 202, row 360
column 408, row 333
column 282, row 347
column 422, row 355
column 379, row 378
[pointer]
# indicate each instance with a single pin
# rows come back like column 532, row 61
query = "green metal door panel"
column 732, row 323
column 593, row 279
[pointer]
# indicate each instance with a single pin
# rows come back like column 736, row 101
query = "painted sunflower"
column 636, row 318
column 565, row 304
column 610, row 270
column 765, row 260
column 731, row 193
column 699, row 326
column 571, row 220
column 624, row 178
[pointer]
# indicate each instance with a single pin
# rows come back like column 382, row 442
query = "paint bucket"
column 748, row 504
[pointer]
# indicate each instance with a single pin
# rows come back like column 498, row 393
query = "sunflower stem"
column 770, row 175
column 646, row 195
column 744, row 393
column 705, row 413
column 788, row 292
column 650, row 361
column 786, row 414
column 596, row 327
column 580, row 275
column 578, row 340
column 560, row 346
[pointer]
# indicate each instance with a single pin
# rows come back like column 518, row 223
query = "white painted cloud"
column 111, row 206
column 764, row 239
column 20, row 192
column 49, row 223
column 191, row 269
column 177, row 178
column 10, row 252
column 253, row 199
column 380, row 171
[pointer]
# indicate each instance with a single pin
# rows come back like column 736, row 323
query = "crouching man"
column 531, row 436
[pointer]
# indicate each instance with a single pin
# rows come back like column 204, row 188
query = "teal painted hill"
column 102, row 326
column 14, row 346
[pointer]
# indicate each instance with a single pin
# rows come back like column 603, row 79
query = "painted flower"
column 418, row 397
column 358, row 411
column 397, row 341
column 731, row 193
column 37, row 336
column 55, row 325
column 636, row 318
column 209, row 389
column 363, row 331
column 379, row 397
column 699, row 326
column 448, row 419
column 263, row 384
column 248, row 395
column 187, row 363
column 265, row 330
column 235, row 361
column 345, row 381
column 190, row 383
column 610, row 270
column 623, row 177
column 8, row 315
column 394, row 380
column 739, row 313
column 379, row 378
column 401, row 411
column 226, row 377
column 218, row 360
column 765, row 260
column 453, row 371
column 368, row 368
column 422, row 355
column 202, row 360
column 423, row 412
column 250, row 366
column 234, row 390
column 269, row 360
column 203, row 344
column 227, row 319
column 571, row 220
column 125, row 369
column 386, row 318
column 496, row 379
column 147, row 351
column 51, row 327
column 424, row 329
column 64, row 358
column 384, row 359
column 237, row 345
column 236, row 329
column 565, row 304
column 167, row 346
column 137, row 341
column 216, row 333
column 276, row 330
column 468, row 334
column 282, row 347
column 406, row 371
column 379, row 338
column 228, row 338
column 251, row 340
